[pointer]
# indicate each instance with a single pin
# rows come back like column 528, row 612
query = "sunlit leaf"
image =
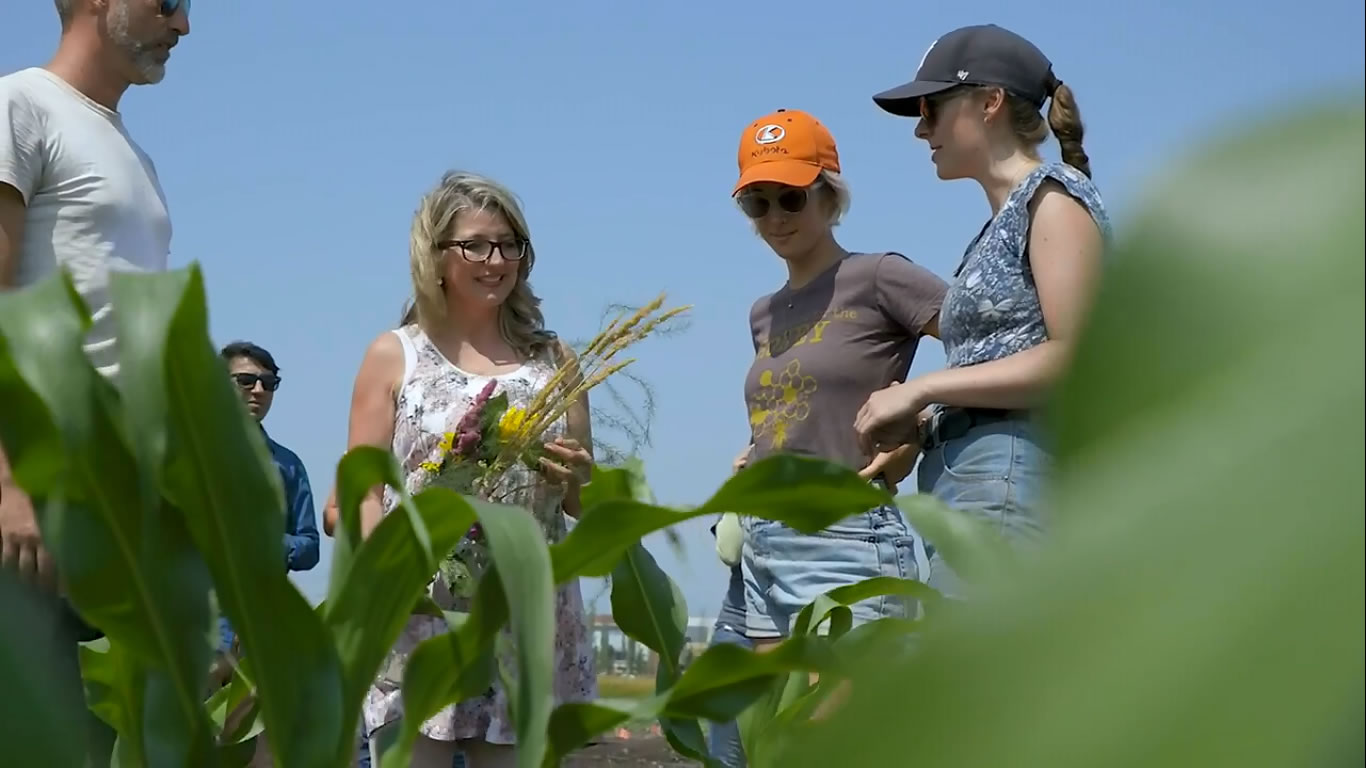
column 125, row 558
column 806, row 494
column 522, row 564
column 387, row 576
column 220, row 474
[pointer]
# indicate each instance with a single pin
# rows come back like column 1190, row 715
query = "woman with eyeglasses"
column 841, row 326
column 476, row 322
column 1019, row 296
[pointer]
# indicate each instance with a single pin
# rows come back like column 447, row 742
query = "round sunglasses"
column 756, row 205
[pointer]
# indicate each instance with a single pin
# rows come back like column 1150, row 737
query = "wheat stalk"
column 576, row 376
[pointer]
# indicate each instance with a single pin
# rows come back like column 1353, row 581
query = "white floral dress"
column 434, row 396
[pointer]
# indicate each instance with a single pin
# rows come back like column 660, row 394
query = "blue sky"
column 294, row 139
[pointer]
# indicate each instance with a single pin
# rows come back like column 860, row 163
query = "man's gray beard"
column 144, row 61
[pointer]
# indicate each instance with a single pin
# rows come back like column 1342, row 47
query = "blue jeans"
column 723, row 739
column 995, row 474
column 784, row 569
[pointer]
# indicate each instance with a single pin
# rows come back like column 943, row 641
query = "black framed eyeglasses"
column 480, row 250
column 756, row 204
column 169, row 7
column 269, row 381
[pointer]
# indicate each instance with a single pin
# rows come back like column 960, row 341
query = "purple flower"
column 475, row 533
column 467, row 430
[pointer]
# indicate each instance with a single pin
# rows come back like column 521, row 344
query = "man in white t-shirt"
column 77, row 193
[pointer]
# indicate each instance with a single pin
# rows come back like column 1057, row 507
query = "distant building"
column 621, row 655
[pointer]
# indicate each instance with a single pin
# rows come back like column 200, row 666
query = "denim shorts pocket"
column 984, row 453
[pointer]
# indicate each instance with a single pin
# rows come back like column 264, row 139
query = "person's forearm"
column 1020, row 381
column 371, row 512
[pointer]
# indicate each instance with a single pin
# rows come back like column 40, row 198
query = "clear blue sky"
column 295, row 138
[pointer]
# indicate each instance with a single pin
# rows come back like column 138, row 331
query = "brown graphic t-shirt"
column 823, row 348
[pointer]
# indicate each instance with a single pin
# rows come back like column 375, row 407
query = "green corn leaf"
column 219, row 472
column 387, row 579
column 805, row 493
column 125, row 557
column 522, row 564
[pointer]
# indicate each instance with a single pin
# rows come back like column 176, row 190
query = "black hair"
column 252, row 352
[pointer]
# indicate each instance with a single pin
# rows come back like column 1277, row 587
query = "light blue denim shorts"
column 785, row 570
column 995, row 473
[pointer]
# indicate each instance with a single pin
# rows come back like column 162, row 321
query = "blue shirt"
column 301, row 522
column 992, row 307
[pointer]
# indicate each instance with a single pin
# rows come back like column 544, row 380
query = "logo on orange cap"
column 787, row 147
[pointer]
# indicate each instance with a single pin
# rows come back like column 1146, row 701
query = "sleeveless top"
column 433, row 397
column 992, row 306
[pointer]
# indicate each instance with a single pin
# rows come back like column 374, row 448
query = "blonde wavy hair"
column 519, row 318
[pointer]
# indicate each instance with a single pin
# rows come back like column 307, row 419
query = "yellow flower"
column 511, row 423
column 446, row 444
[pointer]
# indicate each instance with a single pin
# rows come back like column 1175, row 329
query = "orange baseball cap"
column 786, row 147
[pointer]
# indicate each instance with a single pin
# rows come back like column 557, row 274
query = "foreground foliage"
column 1200, row 602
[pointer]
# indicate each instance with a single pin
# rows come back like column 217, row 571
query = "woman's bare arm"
column 372, row 419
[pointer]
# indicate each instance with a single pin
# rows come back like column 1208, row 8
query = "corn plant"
column 1199, row 601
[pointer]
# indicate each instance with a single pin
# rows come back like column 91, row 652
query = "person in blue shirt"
column 257, row 377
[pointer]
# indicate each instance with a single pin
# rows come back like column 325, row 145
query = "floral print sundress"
column 433, row 397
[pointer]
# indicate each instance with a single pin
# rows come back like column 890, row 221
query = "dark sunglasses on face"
column 932, row 106
column 481, row 250
column 756, row 205
column 169, row 7
column 269, row 381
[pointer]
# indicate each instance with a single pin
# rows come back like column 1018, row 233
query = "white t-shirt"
column 94, row 202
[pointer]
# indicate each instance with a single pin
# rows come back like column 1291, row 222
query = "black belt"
column 952, row 423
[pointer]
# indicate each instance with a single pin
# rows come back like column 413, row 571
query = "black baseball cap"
column 983, row 54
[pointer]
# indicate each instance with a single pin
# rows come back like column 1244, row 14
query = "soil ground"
column 642, row 750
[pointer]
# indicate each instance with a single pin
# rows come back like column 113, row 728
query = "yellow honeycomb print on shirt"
column 780, row 402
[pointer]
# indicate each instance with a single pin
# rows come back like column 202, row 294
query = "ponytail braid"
column 1064, row 119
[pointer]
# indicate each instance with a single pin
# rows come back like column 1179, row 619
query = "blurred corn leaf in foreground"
column 1201, row 603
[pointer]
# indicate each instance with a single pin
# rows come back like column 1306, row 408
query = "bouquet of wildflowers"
column 492, row 437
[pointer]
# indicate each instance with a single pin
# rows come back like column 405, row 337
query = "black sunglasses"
column 169, row 7
column 269, row 381
column 931, row 106
column 481, row 250
column 756, row 205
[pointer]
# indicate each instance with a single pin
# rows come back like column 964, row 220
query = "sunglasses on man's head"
column 269, row 381
column 756, row 204
column 169, row 7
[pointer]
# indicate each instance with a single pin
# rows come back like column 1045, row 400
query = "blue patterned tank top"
column 992, row 307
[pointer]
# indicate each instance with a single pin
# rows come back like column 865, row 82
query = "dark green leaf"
column 220, row 473
column 437, row 671
column 717, row 685
column 387, row 578
column 804, row 493
column 41, row 700
column 127, row 563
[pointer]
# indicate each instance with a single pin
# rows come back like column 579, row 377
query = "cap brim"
column 794, row 173
column 904, row 100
